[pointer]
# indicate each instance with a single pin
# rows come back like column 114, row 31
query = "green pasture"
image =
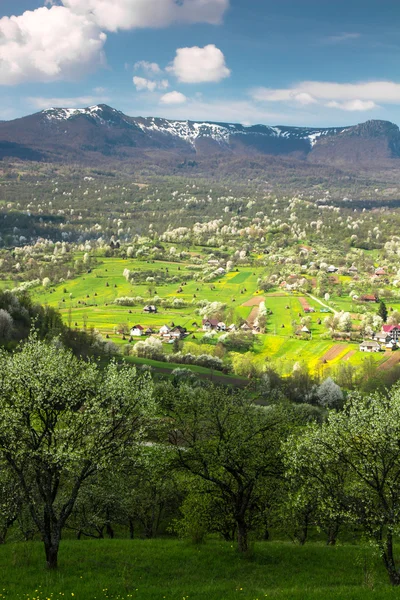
column 88, row 301
column 166, row 569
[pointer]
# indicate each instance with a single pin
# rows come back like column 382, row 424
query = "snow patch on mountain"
column 188, row 131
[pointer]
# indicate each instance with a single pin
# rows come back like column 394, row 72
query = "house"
column 150, row 308
column 393, row 331
column 353, row 269
column 245, row 327
column 210, row 324
column 368, row 298
column 177, row 333
column 391, row 345
column 332, row 269
column 232, row 327
column 380, row 271
column 370, row 346
column 221, row 326
column 149, row 331
column 164, row 330
column 137, row 331
column 382, row 337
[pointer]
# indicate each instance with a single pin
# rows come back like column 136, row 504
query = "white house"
column 370, row 346
column 137, row 331
column 165, row 330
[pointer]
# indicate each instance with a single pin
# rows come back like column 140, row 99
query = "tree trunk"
column 51, row 550
column 131, row 530
column 243, row 544
column 389, row 562
column 110, row 531
column 332, row 534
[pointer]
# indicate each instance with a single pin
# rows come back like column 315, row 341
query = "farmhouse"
column 370, row 346
column 177, row 333
column 332, row 269
column 149, row 331
column 164, row 330
column 369, row 298
column 137, row 331
column 150, row 308
column 210, row 324
column 382, row 337
column 245, row 327
column 392, row 330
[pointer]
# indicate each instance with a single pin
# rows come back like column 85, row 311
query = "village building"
column 164, row 330
column 177, row 333
column 393, row 331
column 150, row 308
column 137, row 331
column 369, row 298
column 370, row 346
column 210, row 324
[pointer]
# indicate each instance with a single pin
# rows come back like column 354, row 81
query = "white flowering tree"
column 62, row 421
column 360, row 448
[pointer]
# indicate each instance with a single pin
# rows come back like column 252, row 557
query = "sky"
column 287, row 62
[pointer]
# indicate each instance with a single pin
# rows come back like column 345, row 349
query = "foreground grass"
column 174, row 570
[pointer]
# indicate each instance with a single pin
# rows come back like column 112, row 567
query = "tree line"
column 89, row 450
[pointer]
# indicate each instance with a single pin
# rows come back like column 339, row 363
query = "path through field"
column 323, row 304
column 254, row 301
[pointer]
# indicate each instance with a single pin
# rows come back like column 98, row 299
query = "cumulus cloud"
column 113, row 15
column 353, row 105
column 142, row 84
column 199, row 65
column 48, row 44
column 42, row 103
column 148, row 67
column 173, row 98
column 363, row 96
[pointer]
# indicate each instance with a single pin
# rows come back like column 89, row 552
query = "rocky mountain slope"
column 90, row 134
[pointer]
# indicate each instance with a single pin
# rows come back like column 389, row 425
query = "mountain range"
column 90, row 135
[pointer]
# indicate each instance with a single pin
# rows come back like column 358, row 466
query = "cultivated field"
column 88, row 301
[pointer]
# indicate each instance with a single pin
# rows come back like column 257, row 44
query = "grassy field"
column 89, row 300
column 175, row 570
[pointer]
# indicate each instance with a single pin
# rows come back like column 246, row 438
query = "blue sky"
column 298, row 62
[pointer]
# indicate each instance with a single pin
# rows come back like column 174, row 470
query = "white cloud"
column 142, row 84
column 199, row 65
column 130, row 14
column 341, row 37
column 48, row 44
column 173, row 98
column 42, row 103
column 353, row 105
column 385, row 92
column 151, row 68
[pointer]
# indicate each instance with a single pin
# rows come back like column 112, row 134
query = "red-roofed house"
column 392, row 330
column 137, row 331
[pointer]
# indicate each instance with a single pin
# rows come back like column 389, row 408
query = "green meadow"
column 175, row 570
column 88, row 301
